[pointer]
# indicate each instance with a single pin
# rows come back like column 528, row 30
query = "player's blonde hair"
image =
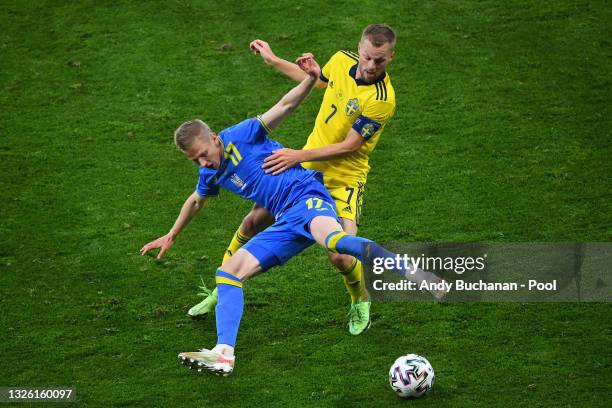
column 186, row 134
column 379, row 34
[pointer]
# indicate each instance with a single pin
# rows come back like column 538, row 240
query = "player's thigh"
column 257, row 220
column 278, row 243
column 242, row 265
column 349, row 226
column 348, row 198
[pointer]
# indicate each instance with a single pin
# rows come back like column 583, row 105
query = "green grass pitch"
column 502, row 134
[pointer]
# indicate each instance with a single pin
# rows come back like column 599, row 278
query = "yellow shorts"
column 348, row 200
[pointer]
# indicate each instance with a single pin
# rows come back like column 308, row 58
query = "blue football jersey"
column 245, row 146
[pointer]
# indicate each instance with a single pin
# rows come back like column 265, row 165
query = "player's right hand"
column 263, row 48
column 164, row 242
column 308, row 64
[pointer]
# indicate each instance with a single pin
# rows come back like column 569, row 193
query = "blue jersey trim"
column 366, row 127
column 322, row 77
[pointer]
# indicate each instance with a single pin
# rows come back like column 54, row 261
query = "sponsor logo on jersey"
column 348, row 209
column 352, row 106
column 237, row 181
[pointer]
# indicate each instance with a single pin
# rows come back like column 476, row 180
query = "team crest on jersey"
column 237, row 180
column 351, row 106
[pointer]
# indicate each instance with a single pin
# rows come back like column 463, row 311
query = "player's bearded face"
column 204, row 153
column 373, row 60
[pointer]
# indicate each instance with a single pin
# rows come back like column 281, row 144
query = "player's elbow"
column 289, row 108
column 346, row 150
column 286, row 108
column 352, row 146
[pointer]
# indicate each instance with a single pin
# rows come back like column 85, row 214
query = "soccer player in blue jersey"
column 359, row 101
column 304, row 210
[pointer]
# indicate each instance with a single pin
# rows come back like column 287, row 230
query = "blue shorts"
column 290, row 234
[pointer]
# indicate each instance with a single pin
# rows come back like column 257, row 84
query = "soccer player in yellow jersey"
column 358, row 102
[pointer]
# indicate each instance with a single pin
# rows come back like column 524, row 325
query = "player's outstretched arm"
column 283, row 108
column 283, row 159
column 285, row 67
column 190, row 208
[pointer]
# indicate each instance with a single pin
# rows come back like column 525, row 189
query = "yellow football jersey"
column 349, row 103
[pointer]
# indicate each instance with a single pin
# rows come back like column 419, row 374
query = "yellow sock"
column 355, row 282
column 238, row 240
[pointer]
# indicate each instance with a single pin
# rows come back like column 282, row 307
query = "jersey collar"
column 361, row 82
column 223, row 162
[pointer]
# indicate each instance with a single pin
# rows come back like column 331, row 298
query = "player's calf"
column 340, row 261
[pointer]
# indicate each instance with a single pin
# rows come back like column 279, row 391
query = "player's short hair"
column 379, row 34
column 186, row 134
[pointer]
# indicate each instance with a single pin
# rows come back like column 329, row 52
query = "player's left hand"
column 163, row 242
column 281, row 160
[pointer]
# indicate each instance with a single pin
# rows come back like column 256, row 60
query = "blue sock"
column 229, row 307
column 343, row 243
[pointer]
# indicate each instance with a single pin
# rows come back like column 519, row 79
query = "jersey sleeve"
column 252, row 130
column 204, row 188
column 326, row 70
column 324, row 74
column 374, row 116
column 256, row 131
column 264, row 129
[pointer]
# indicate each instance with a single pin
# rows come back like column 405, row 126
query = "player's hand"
column 281, row 160
column 164, row 243
column 263, row 48
column 308, row 64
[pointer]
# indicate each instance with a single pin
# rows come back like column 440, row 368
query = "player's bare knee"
column 231, row 268
column 247, row 226
column 242, row 265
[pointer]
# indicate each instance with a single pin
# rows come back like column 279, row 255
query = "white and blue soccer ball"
column 411, row 376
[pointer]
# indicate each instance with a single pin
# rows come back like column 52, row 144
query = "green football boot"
column 359, row 317
column 205, row 306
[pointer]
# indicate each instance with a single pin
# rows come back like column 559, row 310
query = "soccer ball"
column 411, row 376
